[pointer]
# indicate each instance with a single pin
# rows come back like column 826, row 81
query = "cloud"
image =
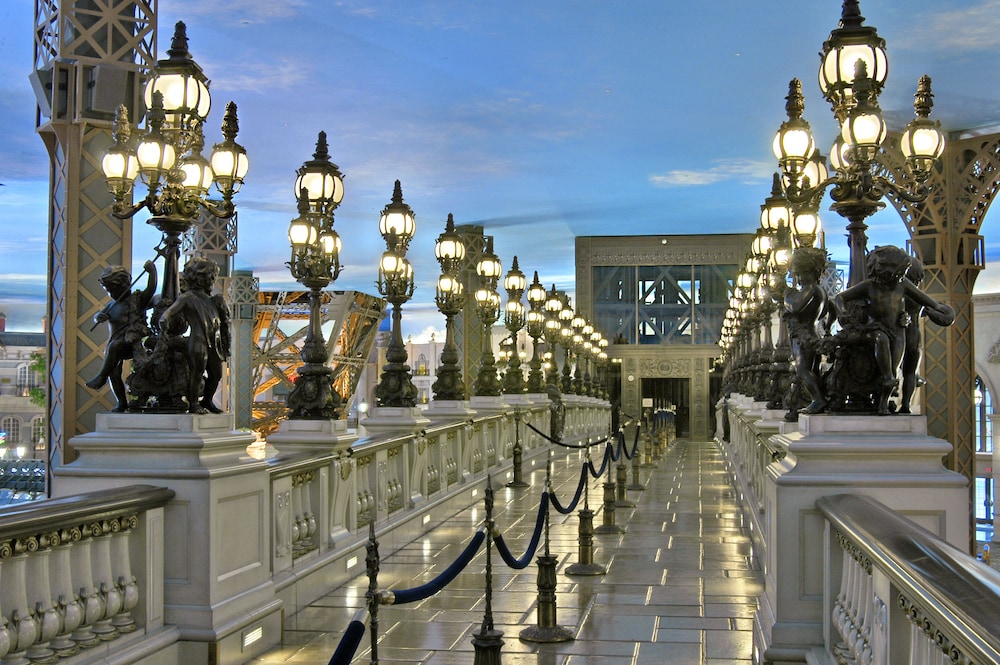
column 968, row 30
column 247, row 11
column 265, row 77
column 731, row 169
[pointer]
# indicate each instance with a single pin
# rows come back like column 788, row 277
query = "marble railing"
column 177, row 539
column 323, row 504
column 899, row 594
column 81, row 573
column 789, row 476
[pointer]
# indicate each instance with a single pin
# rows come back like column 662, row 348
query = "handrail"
column 40, row 516
column 957, row 595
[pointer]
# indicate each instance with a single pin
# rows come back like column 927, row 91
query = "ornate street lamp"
column 852, row 73
column 536, row 328
column 602, row 345
column 514, row 284
column 315, row 262
column 450, row 298
column 553, row 330
column 167, row 159
column 395, row 282
column 488, row 307
column 566, row 316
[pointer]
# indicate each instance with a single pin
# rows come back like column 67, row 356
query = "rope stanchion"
column 566, row 510
column 404, row 596
column 572, row 446
column 546, row 628
column 636, row 484
column 621, row 474
column 372, row 596
column 517, row 481
column 604, row 463
column 585, row 539
column 488, row 641
column 608, row 513
column 351, row 639
column 522, row 562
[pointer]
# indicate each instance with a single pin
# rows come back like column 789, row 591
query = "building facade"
column 662, row 301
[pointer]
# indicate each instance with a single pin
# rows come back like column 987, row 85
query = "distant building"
column 22, row 424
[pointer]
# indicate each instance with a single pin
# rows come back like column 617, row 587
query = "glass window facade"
column 676, row 304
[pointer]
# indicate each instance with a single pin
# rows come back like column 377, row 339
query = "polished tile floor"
column 680, row 589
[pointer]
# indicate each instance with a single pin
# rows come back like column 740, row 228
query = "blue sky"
column 539, row 119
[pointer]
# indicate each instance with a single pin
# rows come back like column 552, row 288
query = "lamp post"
column 488, row 307
column 315, row 262
column 566, row 340
column 536, row 297
column 450, row 298
column 167, row 159
column 514, row 284
column 852, row 73
column 395, row 282
column 553, row 329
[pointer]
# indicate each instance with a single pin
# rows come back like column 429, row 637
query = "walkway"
column 681, row 584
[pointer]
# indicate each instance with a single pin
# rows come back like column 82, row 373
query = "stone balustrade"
column 83, row 574
column 815, row 607
column 176, row 539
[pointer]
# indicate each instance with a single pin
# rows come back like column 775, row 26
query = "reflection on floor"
column 681, row 583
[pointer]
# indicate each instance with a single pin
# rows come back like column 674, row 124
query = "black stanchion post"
column 621, row 485
column 586, row 565
column 608, row 520
column 372, row 596
column 636, row 485
column 487, row 642
column 517, row 481
column 546, row 628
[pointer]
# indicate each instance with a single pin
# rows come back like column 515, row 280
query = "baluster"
column 853, row 622
column 296, row 517
column 39, row 595
column 840, row 605
column 307, row 509
column 6, row 636
column 104, row 581
column 863, row 646
column 121, row 568
column 23, row 628
column 91, row 602
column 67, row 602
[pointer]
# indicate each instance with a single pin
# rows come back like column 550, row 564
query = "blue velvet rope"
column 576, row 499
column 615, row 456
column 504, row 551
column 349, row 642
column 574, row 446
column 604, row 463
column 441, row 581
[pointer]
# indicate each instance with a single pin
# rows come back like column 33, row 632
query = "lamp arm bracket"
column 917, row 195
column 225, row 210
column 799, row 196
column 122, row 211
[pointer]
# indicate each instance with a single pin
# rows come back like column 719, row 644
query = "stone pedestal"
column 217, row 586
column 449, row 410
column 395, row 421
column 521, row 400
column 891, row 459
column 315, row 436
column 486, row 404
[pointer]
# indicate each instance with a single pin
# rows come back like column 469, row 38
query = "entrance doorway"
column 675, row 393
